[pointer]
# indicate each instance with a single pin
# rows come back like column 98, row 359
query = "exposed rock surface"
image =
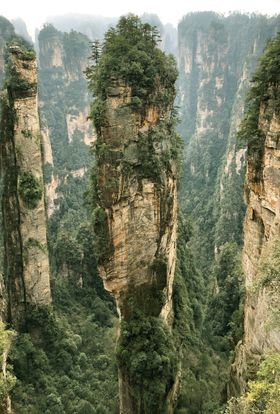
column 140, row 212
column 6, row 31
column 24, row 217
column 261, row 238
column 217, row 56
column 64, row 107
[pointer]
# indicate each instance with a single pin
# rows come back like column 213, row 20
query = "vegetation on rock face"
column 147, row 355
column 262, row 98
column 130, row 58
column 225, row 310
column 215, row 59
column 30, row 189
column 18, row 85
column 263, row 396
column 7, row 379
column 103, row 248
column 68, row 347
column 131, row 65
column 268, row 274
column 130, row 53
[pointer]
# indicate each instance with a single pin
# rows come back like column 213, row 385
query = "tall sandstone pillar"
column 135, row 218
column 26, row 262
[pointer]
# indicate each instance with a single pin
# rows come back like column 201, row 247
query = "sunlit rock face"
column 261, row 254
column 64, row 108
column 24, row 217
column 138, row 200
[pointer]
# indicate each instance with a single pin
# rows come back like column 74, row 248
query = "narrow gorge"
column 140, row 270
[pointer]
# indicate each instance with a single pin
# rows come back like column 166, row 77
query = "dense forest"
column 139, row 243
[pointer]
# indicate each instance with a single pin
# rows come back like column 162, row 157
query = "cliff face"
column 216, row 58
column 24, row 223
column 6, row 31
column 260, row 259
column 137, row 206
column 140, row 214
column 261, row 226
column 135, row 215
column 261, row 234
column 64, row 107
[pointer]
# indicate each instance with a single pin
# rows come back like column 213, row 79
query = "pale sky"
column 35, row 12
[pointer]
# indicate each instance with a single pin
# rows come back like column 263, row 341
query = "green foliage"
column 48, row 171
column 98, row 114
column 189, row 289
column 211, row 195
column 264, row 95
column 102, row 242
column 25, row 50
column 147, row 356
column 70, row 348
column 47, row 32
column 263, row 396
column 7, row 379
column 130, row 53
column 26, row 133
column 206, row 330
column 76, row 47
column 225, row 310
column 70, row 351
column 16, row 83
column 30, row 189
column 269, row 270
column 159, row 267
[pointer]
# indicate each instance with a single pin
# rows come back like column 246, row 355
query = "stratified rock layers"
column 136, row 182
column 261, row 254
column 24, row 218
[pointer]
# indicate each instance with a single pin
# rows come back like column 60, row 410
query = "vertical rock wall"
column 217, row 56
column 261, row 261
column 24, row 217
column 137, row 212
column 135, row 206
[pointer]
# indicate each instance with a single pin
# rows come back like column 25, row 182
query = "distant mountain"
column 94, row 27
column 21, row 29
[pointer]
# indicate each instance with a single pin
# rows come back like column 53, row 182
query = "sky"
column 35, row 12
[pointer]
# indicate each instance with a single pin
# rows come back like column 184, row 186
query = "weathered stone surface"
column 141, row 213
column 64, row 105
column 26, row 253
column 261, row 231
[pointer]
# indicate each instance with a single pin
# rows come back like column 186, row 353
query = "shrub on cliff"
column 130, row 53
column 30, row 189
column 263, row 396
column 264, row 95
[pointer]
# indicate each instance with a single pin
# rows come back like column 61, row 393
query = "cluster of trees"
column 147, row 355
column 263, row 95
column 70, row 347
column 130, row 53
column 263, row 395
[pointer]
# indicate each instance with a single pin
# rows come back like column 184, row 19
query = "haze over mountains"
column 210, row 321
